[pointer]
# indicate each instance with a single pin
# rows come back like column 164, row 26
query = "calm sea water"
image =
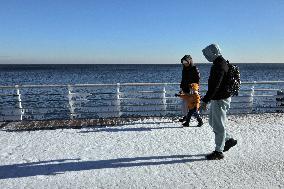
column 78, row 74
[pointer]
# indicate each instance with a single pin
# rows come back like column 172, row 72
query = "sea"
column 38, row 74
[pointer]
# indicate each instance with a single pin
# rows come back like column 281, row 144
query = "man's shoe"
column 185, row 124
column 215, row 156
column 182, row 119
column 229, row 144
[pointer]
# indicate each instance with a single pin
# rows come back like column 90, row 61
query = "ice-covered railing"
column 93, row 101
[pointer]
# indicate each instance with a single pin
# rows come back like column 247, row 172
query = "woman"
column 190, row 74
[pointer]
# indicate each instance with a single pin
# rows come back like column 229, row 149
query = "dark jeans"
column 193, row 112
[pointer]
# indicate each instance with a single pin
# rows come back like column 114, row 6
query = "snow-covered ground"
column 154, row 153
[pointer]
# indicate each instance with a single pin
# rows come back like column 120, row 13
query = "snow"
column 153, row 153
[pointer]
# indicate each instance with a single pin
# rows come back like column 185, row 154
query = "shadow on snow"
column 124, row 129
column 54, row 167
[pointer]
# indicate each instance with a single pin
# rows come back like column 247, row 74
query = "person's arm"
column 195, row 100
column 182, row 80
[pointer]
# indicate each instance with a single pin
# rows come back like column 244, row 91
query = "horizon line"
column 133, row 63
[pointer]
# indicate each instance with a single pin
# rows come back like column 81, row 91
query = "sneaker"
column 229, row 144
column 182, row 119
column 215, row 156
column 185, row 124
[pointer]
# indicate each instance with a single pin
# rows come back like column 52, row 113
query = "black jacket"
column 189, row 75
column 217, row 82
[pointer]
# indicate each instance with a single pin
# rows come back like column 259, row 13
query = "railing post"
column 118, row 107
column 164, row 100
column 71, row 102
column 252, row 96
column 19, row 102
column 280, row 101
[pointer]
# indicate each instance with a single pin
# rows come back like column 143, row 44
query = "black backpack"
column 234, row 79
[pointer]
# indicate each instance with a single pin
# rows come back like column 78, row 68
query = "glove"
column 179, row 93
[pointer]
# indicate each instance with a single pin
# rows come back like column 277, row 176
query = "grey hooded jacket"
column 217, row 82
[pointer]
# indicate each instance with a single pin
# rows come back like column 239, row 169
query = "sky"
column 139, row 32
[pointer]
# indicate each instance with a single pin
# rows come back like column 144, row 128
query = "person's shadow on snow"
column 61, row 166
column 129, row 127
column 124, row 129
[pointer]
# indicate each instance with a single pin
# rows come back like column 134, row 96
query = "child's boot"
column 200, row 122
column 182, row 119
column 186, row 124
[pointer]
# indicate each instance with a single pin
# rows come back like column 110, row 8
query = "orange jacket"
column 193, row 100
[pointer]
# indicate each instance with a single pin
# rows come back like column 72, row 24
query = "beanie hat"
column 186, row 57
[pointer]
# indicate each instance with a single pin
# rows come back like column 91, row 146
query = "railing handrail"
column 20, row 100
column 121, row 84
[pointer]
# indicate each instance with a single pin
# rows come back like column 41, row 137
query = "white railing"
column 92, row 101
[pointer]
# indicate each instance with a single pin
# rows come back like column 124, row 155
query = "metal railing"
column 93, row 101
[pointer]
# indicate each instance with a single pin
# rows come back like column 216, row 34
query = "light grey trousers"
column 217, row 120
column 184, row 108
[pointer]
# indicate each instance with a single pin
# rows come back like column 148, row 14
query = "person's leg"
column 210, row 115
column 184, row 110
column 197, row 116
column 188, row 117
column 218, row 112
column 227, row 104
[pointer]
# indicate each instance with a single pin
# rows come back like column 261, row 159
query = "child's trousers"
column 217, row 120
column 193, row 112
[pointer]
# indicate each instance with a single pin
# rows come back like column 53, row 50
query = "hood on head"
column 194, row 86
column 211, row 52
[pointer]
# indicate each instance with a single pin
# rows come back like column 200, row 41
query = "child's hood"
column 194, row 86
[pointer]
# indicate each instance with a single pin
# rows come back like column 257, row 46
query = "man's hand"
column 203, row 106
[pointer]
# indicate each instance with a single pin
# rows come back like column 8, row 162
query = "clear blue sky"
column 139, row 31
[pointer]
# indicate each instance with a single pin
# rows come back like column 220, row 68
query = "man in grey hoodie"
column 220, row 100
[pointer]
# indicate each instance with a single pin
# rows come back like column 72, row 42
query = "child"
column 193, row 102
